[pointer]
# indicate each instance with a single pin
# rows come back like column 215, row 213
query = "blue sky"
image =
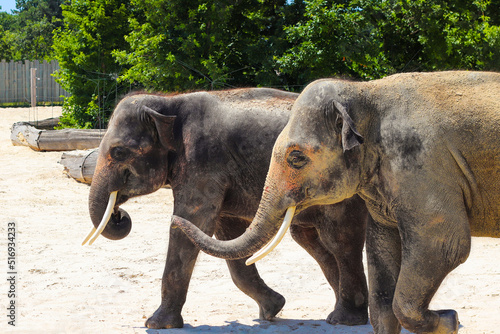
column 7, row 5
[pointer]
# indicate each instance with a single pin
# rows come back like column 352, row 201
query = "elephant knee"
column 414, row 318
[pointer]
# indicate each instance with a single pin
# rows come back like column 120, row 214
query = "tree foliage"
column 105, row 47
column 83, row 46
column 189, row 44
column 445, row 34
column 335, row 38
column 7, row 37
column 369, row 39
column 27, row 33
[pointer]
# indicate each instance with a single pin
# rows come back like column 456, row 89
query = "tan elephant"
column 422, row 150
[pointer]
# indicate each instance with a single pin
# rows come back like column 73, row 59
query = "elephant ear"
column 164, row 126
column 350, row 136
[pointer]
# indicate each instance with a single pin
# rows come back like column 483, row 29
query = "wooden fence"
column 15, row 79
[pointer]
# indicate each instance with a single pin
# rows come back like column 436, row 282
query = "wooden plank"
column 3, row 81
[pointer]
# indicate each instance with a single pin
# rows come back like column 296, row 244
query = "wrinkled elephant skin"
column 422, row 150
column 214, row 150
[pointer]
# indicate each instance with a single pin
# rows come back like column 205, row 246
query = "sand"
column 113, row 286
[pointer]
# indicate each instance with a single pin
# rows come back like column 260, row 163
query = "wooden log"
column 69, row 139
column 23, row 134
column 80, row 165
column 54, row 140
column 46, row 124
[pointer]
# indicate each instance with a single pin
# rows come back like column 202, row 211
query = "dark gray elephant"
column 422, row 150
column 214, row 149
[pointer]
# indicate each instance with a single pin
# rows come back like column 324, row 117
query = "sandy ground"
column 113, row 286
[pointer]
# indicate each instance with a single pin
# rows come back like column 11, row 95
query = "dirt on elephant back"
column 113, row 286
column 270, row 99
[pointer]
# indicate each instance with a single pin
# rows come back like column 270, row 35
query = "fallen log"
column 46, row 124
column 80, row 165
column 24, row 134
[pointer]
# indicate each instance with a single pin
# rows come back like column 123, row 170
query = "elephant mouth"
column 120, row 199
column 94, row 233
column 114, row 218
column 277, row 238
column 287, row 220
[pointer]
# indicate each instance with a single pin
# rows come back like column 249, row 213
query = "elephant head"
column 313, row 163
column 133, row 160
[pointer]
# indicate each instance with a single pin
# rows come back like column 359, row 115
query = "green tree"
column 369, row 39
column 335, row 38
column 7, row 37
column 32, row 28
column 180, row 45
column 92, row 30
column 187, row 44
column 442, row 34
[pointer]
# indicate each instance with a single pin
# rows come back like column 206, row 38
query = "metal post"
column 33, row 90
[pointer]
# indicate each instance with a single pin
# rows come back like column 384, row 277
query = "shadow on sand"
column 280, row 326
column 277, row 326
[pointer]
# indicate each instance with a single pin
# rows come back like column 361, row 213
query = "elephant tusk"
column 88, row 236
column 107, row 214
column 277, row 239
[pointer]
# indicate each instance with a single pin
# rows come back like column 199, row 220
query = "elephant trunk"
column 114, row 222
column 264, row 226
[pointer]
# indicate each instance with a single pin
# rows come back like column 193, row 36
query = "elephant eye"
column 119, row 153
column 297, row 159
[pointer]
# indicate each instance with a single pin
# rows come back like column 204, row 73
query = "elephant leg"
column 308, row 238
column 247, row 278
column 338, row 251
column 383, row 250
column 181, row 256
column 342, row 231
column 429, row 253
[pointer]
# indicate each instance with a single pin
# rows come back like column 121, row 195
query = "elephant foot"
column 271, row 306
column 343, row 316
column 163, row 319
column 448, row 322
